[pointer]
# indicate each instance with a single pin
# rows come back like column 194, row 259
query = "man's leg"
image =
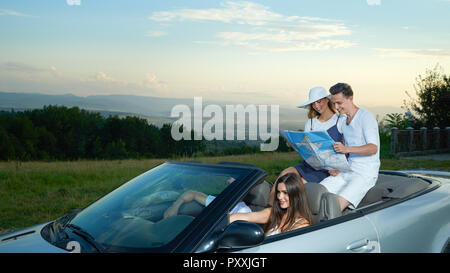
column 343, row 203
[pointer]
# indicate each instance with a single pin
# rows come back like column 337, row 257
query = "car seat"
column 258, row 196
column 323, row 204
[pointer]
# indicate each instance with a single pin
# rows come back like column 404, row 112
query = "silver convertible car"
column 403, row 212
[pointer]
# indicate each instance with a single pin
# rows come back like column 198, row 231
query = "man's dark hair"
column 346, row 89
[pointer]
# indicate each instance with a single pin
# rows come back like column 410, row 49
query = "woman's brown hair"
column 313, row 113
column 298, row 204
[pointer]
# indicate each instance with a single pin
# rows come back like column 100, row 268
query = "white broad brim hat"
column 315, row 94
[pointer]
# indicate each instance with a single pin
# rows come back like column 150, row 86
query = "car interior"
column 391, row 186
column 325, row 205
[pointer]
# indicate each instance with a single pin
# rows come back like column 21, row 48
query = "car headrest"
column 258, row 196
column 323, row 204
column 329, row 206
column 314, row 193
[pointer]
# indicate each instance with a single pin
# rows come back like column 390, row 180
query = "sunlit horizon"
column 249, row 52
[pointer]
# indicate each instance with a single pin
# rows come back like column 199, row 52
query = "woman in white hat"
column 322, row 116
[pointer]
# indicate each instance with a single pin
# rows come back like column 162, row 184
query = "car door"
column 350, row 233
column 420, row 224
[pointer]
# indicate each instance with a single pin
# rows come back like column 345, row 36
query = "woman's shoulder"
column 301, row 222
column 308, row 124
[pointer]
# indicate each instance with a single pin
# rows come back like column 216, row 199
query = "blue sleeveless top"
column 308, row 172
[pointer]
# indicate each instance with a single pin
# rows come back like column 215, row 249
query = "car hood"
column 27, row 240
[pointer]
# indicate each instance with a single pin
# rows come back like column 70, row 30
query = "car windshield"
column 132, row 216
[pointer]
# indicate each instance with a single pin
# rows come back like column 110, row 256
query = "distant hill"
column 150, row 106
column 155, row 110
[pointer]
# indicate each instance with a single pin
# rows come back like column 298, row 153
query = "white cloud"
column 231, row 12
column 27, row 69
column 271, row 31
column 55, row 72
column 101, row 82
column 156, row 33
column 4, row 12
column 73, row 2
column 301, row 32
column 373, row 2
column 152, row 82
column 282, row 41
column 20, row 67
column 100, row 77
column 412, row 53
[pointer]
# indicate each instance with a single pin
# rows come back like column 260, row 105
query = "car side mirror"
column 240, row 234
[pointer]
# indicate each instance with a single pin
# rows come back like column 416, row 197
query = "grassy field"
column 35, row 192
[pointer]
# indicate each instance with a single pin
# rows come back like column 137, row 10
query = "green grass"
column 36, row 192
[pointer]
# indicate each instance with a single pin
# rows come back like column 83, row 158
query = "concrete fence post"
column 437, row 133
column 447, row 135
column 423, row 130
column 410, row 139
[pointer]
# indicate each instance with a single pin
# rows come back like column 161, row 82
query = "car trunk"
column 391, row 186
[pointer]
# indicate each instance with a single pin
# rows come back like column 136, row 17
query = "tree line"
column 61, row 133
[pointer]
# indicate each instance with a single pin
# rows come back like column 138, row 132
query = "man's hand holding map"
column 316, row 148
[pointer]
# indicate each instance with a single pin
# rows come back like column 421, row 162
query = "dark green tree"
column 396, row 120
column 6, row 146
column 432, row 104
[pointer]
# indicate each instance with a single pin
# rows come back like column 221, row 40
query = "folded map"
column 316, row 148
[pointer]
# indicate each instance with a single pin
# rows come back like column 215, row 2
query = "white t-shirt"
column 317, row 125
column 362, row 130
column 240, row 207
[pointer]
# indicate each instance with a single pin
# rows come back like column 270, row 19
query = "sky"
column 250, row 52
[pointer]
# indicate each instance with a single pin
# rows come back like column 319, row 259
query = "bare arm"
column 339, row 147
column 368, row 149
column 259, row 217
column 184, row 198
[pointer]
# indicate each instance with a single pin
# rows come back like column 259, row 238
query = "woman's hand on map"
column 289, row 145
column 333, row 172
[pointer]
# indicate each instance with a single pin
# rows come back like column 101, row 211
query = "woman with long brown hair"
column 290, row 209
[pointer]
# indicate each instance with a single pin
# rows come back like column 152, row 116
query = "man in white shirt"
column 362, row 143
